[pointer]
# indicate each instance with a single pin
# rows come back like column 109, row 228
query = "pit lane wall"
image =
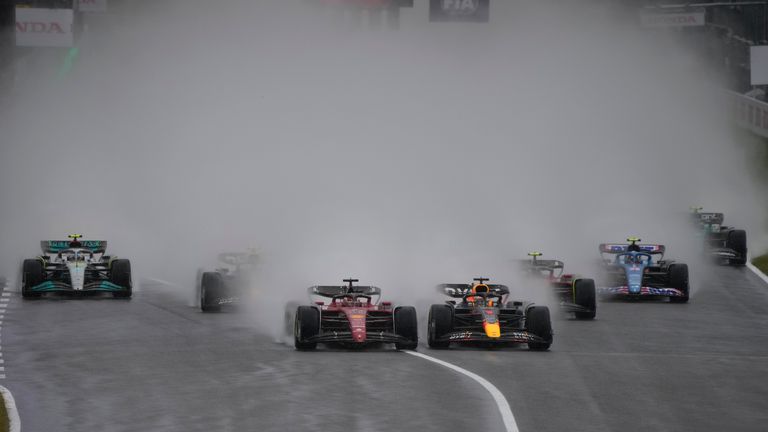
column 750, row 113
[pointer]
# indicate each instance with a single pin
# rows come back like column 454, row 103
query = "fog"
column 436, row 153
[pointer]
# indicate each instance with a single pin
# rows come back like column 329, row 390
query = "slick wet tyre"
column 737, row 240
column 32, row 274
column 584, row 295
column 440, row 323
column 307, row 325
column 537, row 322
column 211, row 285
column 407, row 326
column 120, row 274
column 678, row 279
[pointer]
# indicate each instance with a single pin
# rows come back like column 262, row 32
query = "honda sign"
column 44, row 27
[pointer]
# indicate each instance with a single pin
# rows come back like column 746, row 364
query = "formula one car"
column 633, row 273
column 726, row 244
column 481, row 315
column 75, row 267
column 226, row 285
column 354, row 318
column 576, row 293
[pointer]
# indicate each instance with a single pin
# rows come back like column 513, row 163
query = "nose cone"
column 357, row 324
column 492, row 330
column 635, row 282
column 358, row 334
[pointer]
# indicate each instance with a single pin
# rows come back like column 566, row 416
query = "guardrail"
column 751, row 113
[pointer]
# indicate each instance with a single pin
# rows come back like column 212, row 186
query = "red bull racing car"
column 353, row 318
column 479, row 314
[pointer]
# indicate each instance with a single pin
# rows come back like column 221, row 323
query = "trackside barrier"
column 751, row 113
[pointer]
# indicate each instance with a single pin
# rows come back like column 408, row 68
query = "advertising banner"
column 44, row 27
column 92, row 5
column 758, row 59
column 690, row 18
column 459, row 10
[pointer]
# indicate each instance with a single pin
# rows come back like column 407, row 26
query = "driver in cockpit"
column 75, row 243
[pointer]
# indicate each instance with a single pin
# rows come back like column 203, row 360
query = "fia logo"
column 461, row 7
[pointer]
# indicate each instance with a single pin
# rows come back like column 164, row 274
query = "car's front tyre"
column 211, row 286
column 32, row 274
column 120, row 274
column 585, row 295
column 407, row 326
column 538, row 323
column 307, row 325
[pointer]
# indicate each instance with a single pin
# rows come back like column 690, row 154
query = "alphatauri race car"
column 632, row 273
column 575, row 293
column 226, row 285
column 354, row 318
column 479, row 314
column 75, row 267
column 725, row 244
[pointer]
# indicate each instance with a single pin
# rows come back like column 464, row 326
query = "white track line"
column 510, row 424
column 757, row 271
column 14, row 423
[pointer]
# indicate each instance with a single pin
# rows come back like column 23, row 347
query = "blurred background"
column 406, row 143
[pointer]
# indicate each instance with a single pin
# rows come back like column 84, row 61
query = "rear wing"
column 461, row 290
column 56, row 246
column 237, row 258
column 338, row 290
column 616, row 248
column 546, row 264
column 710, row 218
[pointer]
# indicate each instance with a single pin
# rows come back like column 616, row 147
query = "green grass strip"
column 761, row 262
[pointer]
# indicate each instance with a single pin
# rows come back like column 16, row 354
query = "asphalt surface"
column 153, row 363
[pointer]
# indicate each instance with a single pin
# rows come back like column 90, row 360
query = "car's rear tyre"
column 407, row 326
column 211, row 286
column 307, row 325
column 32, row 274
column 440, row 323
column 737, row 241
column 120, row 274
column 584, row 294
column 678, row 279
column 537, row 322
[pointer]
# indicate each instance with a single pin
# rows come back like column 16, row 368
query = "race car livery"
column 226, row 285
column 479, row 314
column 633, row 273
column 725, row 244
column 354, row 318
column 75, row 267
column 576, row 294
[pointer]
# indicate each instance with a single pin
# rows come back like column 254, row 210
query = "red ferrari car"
column 353, row 318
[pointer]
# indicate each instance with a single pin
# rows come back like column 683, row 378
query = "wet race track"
column 154, row 363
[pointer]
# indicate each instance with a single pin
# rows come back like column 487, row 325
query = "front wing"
column 58, row 286
column 514, row 336
column 346, row 337
column 573, row 307
column 623, row 291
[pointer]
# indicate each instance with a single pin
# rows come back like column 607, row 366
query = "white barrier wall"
column 751, row 114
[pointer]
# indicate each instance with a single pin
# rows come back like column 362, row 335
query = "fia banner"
column 459, row 10
column 44, row 27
